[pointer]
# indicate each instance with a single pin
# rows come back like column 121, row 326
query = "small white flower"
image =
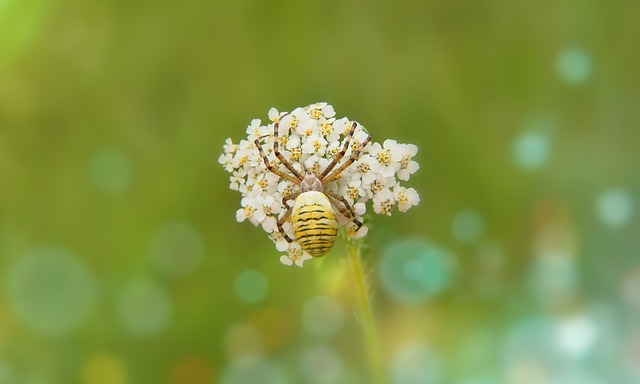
column 315, row 144
column 296, row 255
column 238, row 179
column 226, row 160
column 281, row 243
column 307, row 128
column 406, row 198
column 229, row 147
column 359, row 233
column 353, row 190
column 405, row 166
column 383, row 202
column 255, row 130
column 364, row 166
column 340, row 126
column 248, row 211
column 379, row 184
column 383, row 164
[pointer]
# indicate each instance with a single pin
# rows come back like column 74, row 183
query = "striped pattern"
column 314, row 223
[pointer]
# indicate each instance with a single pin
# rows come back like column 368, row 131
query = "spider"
column 313, row 213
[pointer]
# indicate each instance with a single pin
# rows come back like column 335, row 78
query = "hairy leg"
column 340, row 155
column 354, row 156
column 281, row 221
column 276, row 151
column 346, row 210
column 273, row 169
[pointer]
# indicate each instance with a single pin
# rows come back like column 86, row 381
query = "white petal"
column 389, row 144
column 282, row 245
column 328, row 111
column 270, row 224
column 286, row 260
column 413, row 196
column 273, row 114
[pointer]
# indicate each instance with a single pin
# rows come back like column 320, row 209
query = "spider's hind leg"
column 342, row 205
column 281, row 221
column 286, row 215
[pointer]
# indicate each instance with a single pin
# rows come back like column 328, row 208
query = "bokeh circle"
column 50, row 290
column 414, row 270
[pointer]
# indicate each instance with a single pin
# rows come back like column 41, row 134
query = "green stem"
column 372, row 343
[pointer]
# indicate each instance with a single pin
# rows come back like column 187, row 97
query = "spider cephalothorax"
column 312, row 215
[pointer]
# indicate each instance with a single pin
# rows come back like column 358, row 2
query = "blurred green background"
column 120, row 257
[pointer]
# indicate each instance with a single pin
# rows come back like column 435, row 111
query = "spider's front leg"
column 276, row 151
column 354, row 157
column 273, row 169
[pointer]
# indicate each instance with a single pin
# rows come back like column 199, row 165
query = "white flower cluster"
column 313, row 137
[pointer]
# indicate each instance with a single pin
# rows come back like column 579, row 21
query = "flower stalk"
column 371, row 340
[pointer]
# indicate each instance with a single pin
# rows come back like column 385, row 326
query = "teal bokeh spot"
column 531, row 150
column 615, row 207
column 111, row 171
column 144, row 308
column 413, row 270
column 251, row 286
column 254, row 371
column 50, row 290
column 574, row 65
column 467, row 227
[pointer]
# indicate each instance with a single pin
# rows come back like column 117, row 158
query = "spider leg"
column 346, row 209
column 292, row 196
column 340, row 154
column 282, row 221
column 354, row 156
column 341, row 199
column 279, row 155
column 272, row 168
column 286, row 215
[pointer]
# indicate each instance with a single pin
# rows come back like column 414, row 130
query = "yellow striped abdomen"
column 314, row 223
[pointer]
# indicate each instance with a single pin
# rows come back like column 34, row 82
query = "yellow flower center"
column 376, row 186
column 353, row 192
column 249, row 211
column 363, row 167
column 402, row 199
column 294, row 122
column 384, row 157
column 327, row 129
column 404, row 163
column 295, row 154
column 385, row 207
